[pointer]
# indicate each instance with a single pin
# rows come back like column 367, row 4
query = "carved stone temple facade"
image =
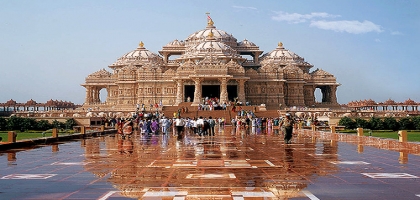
column 210, row 63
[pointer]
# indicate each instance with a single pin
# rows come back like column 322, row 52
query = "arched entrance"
column 189, row 92
column 232, row 92
column 211, row 91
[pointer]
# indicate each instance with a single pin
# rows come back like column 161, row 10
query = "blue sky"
column 48, row 47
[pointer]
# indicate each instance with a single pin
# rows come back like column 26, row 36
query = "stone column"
column 223, row 89
column 95, row 95
column 241, row 93
column 197, row 91
column 88, row 99
column 333, row 94
column 179, row 91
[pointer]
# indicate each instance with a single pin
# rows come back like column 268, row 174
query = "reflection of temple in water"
column 222, row 167
column 210, row 63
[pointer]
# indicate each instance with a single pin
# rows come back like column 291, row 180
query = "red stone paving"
column 235, row 164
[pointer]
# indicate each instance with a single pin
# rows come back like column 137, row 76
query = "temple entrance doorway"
column 189, row 92
column 103, row 94
column 323, row 94
column 232, row 92
column 318, row 95
column 210, row 91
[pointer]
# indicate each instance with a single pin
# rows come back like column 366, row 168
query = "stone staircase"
column 227, row 114
column 194, row 112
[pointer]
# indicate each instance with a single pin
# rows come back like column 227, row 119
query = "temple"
column 210, row 63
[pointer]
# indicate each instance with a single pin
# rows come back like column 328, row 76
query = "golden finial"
column 209, row 20
column 280, row 44
column 210, row 35
column 141, row 44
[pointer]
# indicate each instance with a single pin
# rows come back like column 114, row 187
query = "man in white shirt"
column 200, row 124
column 179, row 123
column 165, row 125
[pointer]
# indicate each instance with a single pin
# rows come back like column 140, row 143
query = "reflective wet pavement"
column 235, row 164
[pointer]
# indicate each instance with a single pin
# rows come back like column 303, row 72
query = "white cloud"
column 355, row 27
column 245, row 8
column 295, row 18
column 377, row 40
column 396, row 33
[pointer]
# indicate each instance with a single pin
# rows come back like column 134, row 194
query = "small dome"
column 390, row 102
column 99, row 74
column 246, row 43
column 141, row 55
column 283, row 56
column 320, row 72
column 175, row 43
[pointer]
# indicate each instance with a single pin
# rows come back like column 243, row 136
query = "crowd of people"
column 155, row 122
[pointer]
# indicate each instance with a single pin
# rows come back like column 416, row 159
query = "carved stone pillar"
column 333, row 94
column 88, row 94
column 223, row 89
column 97, row 98
column 197, row 91
column 241, row 93
column 179, row 91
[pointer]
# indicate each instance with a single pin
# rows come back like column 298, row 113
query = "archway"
column 232, row 92
column 189, row 92
column 103, row 95
column 318, row 95
column 323, row 93
column 211, row 91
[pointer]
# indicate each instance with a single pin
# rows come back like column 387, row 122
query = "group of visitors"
column 155, row 123
column 212, row 104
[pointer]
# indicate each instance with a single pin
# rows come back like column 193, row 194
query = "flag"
column 208, row 18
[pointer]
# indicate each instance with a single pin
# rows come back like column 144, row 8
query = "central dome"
column 211, row 46
column 139, row 55
column 219, row 35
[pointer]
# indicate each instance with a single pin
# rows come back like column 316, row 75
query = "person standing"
column 212, row 123
column 179, row 123
column 165, row 125
column 287, row 125
column 127, row 129
column 200, row 125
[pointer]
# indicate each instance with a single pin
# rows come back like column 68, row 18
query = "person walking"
column 287, row 125
column 212, row 123
column 200, row 125
column 179, row 123
column 165, row 125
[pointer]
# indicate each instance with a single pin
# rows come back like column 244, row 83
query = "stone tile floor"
column 235, row 164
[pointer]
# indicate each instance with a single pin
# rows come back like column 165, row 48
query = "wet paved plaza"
column 235, row 164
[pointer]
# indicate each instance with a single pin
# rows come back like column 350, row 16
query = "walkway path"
column 236, row 164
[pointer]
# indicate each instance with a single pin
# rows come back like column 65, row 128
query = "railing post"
column 402, row 136
column 359, row 131
column 11, row 136
column 54, row 133
column 332, row 129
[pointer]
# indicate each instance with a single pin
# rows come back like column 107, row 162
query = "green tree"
column 416, row 122
column 375, row 123
column 3, row 124
column 361, row 123
column 27, row 124
column 391, row 123
column 14, row 123
column 347, row 122
column 43, row 125
column 70, row 123
column 406, row 123
column 57, row 124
